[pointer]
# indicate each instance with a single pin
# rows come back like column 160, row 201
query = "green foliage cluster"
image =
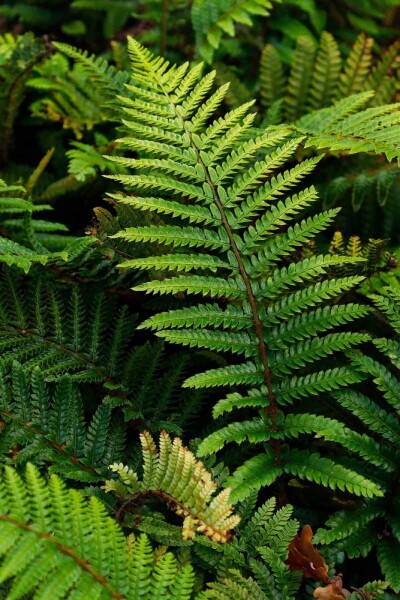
column 199, row 223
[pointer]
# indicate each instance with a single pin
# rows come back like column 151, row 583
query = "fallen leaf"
column 304, row 557
column 333, row 591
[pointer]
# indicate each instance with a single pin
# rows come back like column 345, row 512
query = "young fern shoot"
column 245, row 215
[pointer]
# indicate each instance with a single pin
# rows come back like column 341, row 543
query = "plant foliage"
column 241, row 215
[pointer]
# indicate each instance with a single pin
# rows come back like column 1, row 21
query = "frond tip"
column 173, row 474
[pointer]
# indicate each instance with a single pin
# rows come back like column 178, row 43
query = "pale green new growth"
column 173, row 474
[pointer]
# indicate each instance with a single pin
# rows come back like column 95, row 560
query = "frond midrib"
column 272, row 409
column 62, row 348
column 67, row 551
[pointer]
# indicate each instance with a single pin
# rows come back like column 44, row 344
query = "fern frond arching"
column 173, row 474
column 108, row 80
column 237, row 179
column 344, row 128
column 378, row 412
column 73, row 545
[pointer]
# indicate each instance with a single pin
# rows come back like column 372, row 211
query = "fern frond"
column 344, row 128
column 356, row 68
column 388, row 558
column 318, row 468
column 233, row 180
column 300, row 78
column 326, row 72
column 66, row 547
column 212, row 19
column 108, row 80
column 271, row 76
column 172, row 473
column 36, row 332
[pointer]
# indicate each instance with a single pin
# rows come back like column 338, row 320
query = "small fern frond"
column 326, row 72
column 271, row 76
column 300, row 78
column 212, row 19
column 356, row 68
column 172, row 473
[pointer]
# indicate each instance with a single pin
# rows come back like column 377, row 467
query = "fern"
column 34, row 330
column 70, row 548
column 73, row 545
column 327, row 68
column 379, row 447
column 19, row 56
column 88, row 337
column 173, row 474
column 212, row 19
column 300, row 78
column 259, row 550
column 49, row 426
column 33, row 241
column 242, row 217
column 68, row 95
column 317, row 78
column 318, row 87
column 344, row 128
column 108, row 80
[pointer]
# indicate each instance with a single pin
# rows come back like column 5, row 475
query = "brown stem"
column 58, row 447
column 272, row 408
column 76, row 355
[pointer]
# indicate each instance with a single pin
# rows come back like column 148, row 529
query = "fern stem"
column 272, row 408
column 58, row 447
column 77, row 355
column 172, row 503
column 67, row 551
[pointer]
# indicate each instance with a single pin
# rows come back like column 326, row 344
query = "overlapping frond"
column 379, row 414
column 50, row 425
column 319, row 76
column 34, row 330
column 345, row 128
column 66, row 547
